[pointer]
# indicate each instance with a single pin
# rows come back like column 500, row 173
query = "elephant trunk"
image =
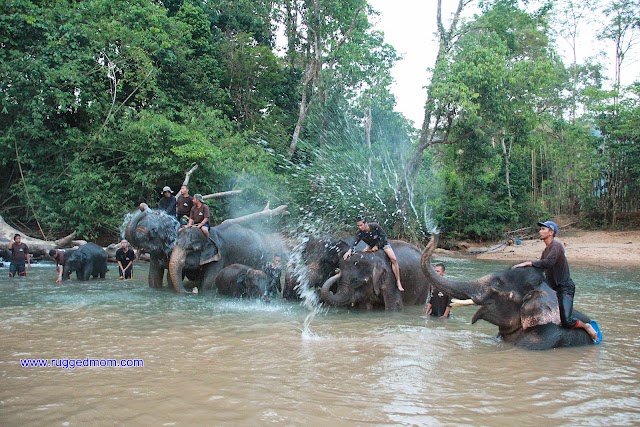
column 176, row 265
column 342, row 297
column 66, row 272
column 474, row 290
column 129, row 232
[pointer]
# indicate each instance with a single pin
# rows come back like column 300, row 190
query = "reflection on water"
column 218, row 361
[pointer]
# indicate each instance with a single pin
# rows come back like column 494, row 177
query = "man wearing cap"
column 199, row 216
column 184, row 203
column 167, row 202
column 556, row 270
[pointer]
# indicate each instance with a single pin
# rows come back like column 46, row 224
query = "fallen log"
column 265, row 214
column 222, row 194
column 37, row 247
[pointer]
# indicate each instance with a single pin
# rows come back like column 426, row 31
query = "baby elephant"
column 88, row 260
column 239, row 280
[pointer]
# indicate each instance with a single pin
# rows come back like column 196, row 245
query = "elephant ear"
column 211, row 251
column 539, row 307
column 241, row 280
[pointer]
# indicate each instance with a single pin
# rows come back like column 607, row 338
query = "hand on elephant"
column 523, row 264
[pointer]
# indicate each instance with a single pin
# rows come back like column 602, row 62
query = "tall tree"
column 438, row 114
column 624, row 30
column 325, row 27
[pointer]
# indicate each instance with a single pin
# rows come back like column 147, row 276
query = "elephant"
column 155, row 232
column 238, row 280
column 88, row 260
column 315, row 259
column 518, row 301
column 366, row 280
column 228, row 243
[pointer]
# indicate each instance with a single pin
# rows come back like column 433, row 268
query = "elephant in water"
column 228, row 243
column 155, row 232
column 87, row 261
column 315, row 259
column 518, row 301
column 237, row 280
column 366, row 280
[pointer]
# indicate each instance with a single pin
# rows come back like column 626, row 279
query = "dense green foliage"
column 105, row 102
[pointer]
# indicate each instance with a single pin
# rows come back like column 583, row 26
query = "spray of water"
column 161, row 221
column 341, row 179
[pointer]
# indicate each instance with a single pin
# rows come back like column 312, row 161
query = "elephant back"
column 414, row 281
column 240, row 245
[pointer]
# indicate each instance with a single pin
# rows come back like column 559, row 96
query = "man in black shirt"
column 374, row 236
column 439, row 304
column 168, row 202
column 556, row 270
column 274, row 271
column 125, row 257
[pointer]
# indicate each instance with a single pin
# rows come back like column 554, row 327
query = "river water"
column 210, row 360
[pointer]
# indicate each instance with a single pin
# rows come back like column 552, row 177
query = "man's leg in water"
column 394, row 265
column 565, row 302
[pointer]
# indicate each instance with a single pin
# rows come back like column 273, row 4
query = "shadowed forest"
column 103, row 103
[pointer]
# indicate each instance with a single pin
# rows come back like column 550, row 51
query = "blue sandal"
column 595, row 326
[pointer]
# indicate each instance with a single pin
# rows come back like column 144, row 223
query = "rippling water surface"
column 216, row 361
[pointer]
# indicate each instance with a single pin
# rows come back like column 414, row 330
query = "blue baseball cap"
column 550, row 224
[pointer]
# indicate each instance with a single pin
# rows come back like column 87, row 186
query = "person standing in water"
column 125, row 257
column 19, row 257
column 439, row 304
column 274, row 271
column 57, row 255
column 556, row 270
column 374, row 236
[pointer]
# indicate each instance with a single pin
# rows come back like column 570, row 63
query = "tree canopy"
column 103, row 103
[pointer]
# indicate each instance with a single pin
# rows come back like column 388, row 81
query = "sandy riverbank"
column 605, row 248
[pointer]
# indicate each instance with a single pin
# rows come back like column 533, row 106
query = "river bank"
column 605, row 248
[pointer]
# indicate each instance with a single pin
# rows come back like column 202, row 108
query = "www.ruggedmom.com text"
column 82, row 363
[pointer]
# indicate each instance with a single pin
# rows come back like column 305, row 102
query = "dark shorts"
column 19, row 269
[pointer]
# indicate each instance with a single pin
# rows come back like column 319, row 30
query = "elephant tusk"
column 461, row 302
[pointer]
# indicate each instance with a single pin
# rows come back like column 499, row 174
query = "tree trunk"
column 222, row 194
column 265, row 214
column 428, row 132
column 37, row 247
column 507, row 156
column 368, row 121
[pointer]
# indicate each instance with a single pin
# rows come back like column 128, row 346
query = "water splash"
column 300, row 271
column 161, row 221
column 337, row 177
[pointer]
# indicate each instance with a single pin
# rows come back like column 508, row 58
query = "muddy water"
column 216, row 361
